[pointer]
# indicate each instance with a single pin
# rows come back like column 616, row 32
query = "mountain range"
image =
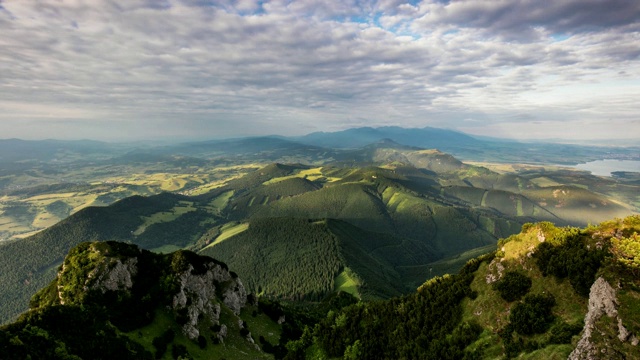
column 311, row 225
column 385, row 227
column 547, row 293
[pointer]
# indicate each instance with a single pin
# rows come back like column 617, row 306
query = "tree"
column 626, row 251
column 513, row 285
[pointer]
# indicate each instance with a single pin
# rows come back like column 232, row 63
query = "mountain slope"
column 114, row 300
column 425, row 198
column 527, row 300
column 354, row 138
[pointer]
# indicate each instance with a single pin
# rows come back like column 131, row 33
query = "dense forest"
column 441, row 320
column 528, row 298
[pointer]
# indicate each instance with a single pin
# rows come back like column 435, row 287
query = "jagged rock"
column 223, row 332
column 198, row 285
column 198, row 292
column 497, row 267
column 602, row 301
column 623, row 333
column 235, row 297
column 118, row 276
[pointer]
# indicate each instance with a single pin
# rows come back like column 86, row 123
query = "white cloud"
column 242, row 67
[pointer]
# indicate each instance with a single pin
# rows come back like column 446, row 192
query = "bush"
column 513, row 285
column 533, row 315
column 562, row 333
column 180, row 351
column 202, row 342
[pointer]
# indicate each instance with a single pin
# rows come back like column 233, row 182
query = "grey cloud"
column 521, row 18
column 190, row 65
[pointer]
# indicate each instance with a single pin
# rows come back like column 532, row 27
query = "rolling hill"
column 401, row 213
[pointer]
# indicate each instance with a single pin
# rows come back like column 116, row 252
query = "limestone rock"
column 197, row 294
column 602, row 301
column 119, row 275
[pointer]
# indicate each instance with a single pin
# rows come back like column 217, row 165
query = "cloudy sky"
column 156, row 69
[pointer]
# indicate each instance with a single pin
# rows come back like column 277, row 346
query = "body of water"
column 605, row 167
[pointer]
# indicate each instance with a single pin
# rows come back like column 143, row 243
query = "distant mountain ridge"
column 426, row 138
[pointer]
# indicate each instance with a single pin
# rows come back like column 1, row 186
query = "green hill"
column 548, row 293
column 430, row 203
column 113, row 300
column 300, row 259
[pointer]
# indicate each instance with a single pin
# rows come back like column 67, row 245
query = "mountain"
column 548, row 292
column 398, row 219
column 113, row 300
column 270, row 148
column 469, row 147
column 15, row 150
column 427, row 137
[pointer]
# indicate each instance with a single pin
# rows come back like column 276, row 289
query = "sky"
column 197, row 69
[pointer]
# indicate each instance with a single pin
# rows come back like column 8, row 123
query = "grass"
column 551, row 352
column 234, row 346
column 399, row 201
column 222, row 200
column 261, row 325
column 165, row 249
column 347, row 282
column 519, row 211
column 227, row 231
column 312, row 174
column 544, row 182
column 165, row 216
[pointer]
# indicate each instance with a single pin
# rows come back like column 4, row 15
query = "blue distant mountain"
column 427, row 137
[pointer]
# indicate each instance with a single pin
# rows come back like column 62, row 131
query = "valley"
column 394, row 215
column 298, row 223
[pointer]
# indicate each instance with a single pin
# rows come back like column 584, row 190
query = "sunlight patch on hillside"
column 228, row 231
column 165, row 216
column 347, row 282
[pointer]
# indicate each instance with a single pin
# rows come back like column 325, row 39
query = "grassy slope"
column 484, row 306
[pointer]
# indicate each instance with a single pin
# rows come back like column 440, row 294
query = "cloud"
column 526, row 18
column 244, row 67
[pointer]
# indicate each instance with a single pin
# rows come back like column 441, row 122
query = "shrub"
column 513, row 285
column 533, row 315
column 562, row 333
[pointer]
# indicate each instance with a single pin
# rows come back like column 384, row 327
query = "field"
column 229, row 230
column 347, row 282
column 27, row 210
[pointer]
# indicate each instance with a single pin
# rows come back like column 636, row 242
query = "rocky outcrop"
column 119, row 275
column 602, row 301
column 197, row 294
column 495, row 271
column 195, row 287
column 235, row 296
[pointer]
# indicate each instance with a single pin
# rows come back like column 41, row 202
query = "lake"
column 605, row 167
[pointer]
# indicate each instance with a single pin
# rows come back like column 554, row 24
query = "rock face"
column 495, row 271
column 602, row 301
column 195, row 287
column 119, row 276
column 197, row 295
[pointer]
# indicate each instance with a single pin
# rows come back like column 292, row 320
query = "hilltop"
column 546, row 293
column 114, row 300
